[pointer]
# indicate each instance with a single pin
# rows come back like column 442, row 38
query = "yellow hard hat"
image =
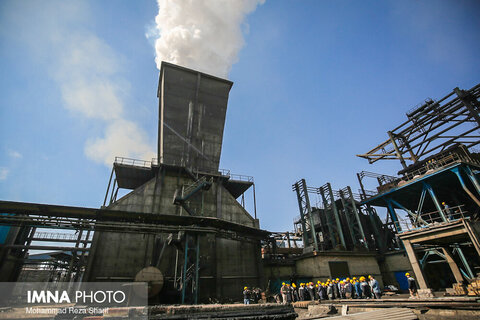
column 354, row 278
column 443, row 202
column 407, row 274
column 369, row 276
column 293, row 285
column 348, row 278
column 337, row 279
column 245, row 288
column 283, row 283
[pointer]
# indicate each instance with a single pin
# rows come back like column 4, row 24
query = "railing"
column 181, row 162
column 434, row 218
column 426, row 102
column 431, row 166
column 368, row 194
column 357, row 196
column 134, row 162
column 241, row 177
column 451, row 214
column 58, row 236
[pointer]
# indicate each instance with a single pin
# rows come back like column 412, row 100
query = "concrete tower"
column 184, row 181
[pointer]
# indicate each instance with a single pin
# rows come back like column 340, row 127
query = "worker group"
column 331, row 289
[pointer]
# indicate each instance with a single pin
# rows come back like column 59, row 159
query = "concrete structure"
column 444, row 237
column 186, row 181
column 322, row 266
column 191, row 117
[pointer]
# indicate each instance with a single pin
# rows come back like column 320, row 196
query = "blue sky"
column 316, row 83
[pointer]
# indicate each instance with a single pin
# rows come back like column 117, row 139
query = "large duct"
column 192, row 108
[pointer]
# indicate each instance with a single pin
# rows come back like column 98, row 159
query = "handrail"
column 433, row 218
column 431, row 166
column 241, row 177
column 133, row 162
column 58, row 236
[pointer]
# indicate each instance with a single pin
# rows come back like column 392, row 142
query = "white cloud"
column 15, row 154
column 86, row 69
column 203, row 35
column 122, row 137
column 3, row 173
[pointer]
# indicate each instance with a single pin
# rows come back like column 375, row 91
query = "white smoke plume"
column 202, row 35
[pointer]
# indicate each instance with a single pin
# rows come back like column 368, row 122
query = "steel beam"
column 468, row 171
column 427, row 187
column 415, row 264
column 453, row 266
column 433, row 126
column 464, row 186
column 464, row 262
column 393, row 215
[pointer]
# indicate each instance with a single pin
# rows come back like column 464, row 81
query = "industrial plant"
column 179, row 223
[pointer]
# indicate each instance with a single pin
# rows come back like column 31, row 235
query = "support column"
column 184, row 273
column 435, row 201
column 197, row 269
column 472, row 178
column 453, row 266
column 464, row 262
column 459, row 176
column 357, row 217
column 302, row 215
column 393, row 215
column 337, row 216
column 424, row 290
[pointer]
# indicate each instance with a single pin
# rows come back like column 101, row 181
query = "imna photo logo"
column 48, row 297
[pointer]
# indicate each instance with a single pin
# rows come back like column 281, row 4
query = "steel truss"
column 332, row 215
column 337, row 222
column 306, row 217
column 353, row 218
column 433, row 127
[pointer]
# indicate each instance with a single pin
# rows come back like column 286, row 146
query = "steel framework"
column 332, row 215
column 353, row 218
column 306, row 217
column 432, row 127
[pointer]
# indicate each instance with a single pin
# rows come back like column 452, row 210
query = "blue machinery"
column 441, row 185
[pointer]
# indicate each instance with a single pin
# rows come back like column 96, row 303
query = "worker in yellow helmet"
column 246, row 295
column 366, row 292
column 283, row 292
column 412, row 285
column 301, row 292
